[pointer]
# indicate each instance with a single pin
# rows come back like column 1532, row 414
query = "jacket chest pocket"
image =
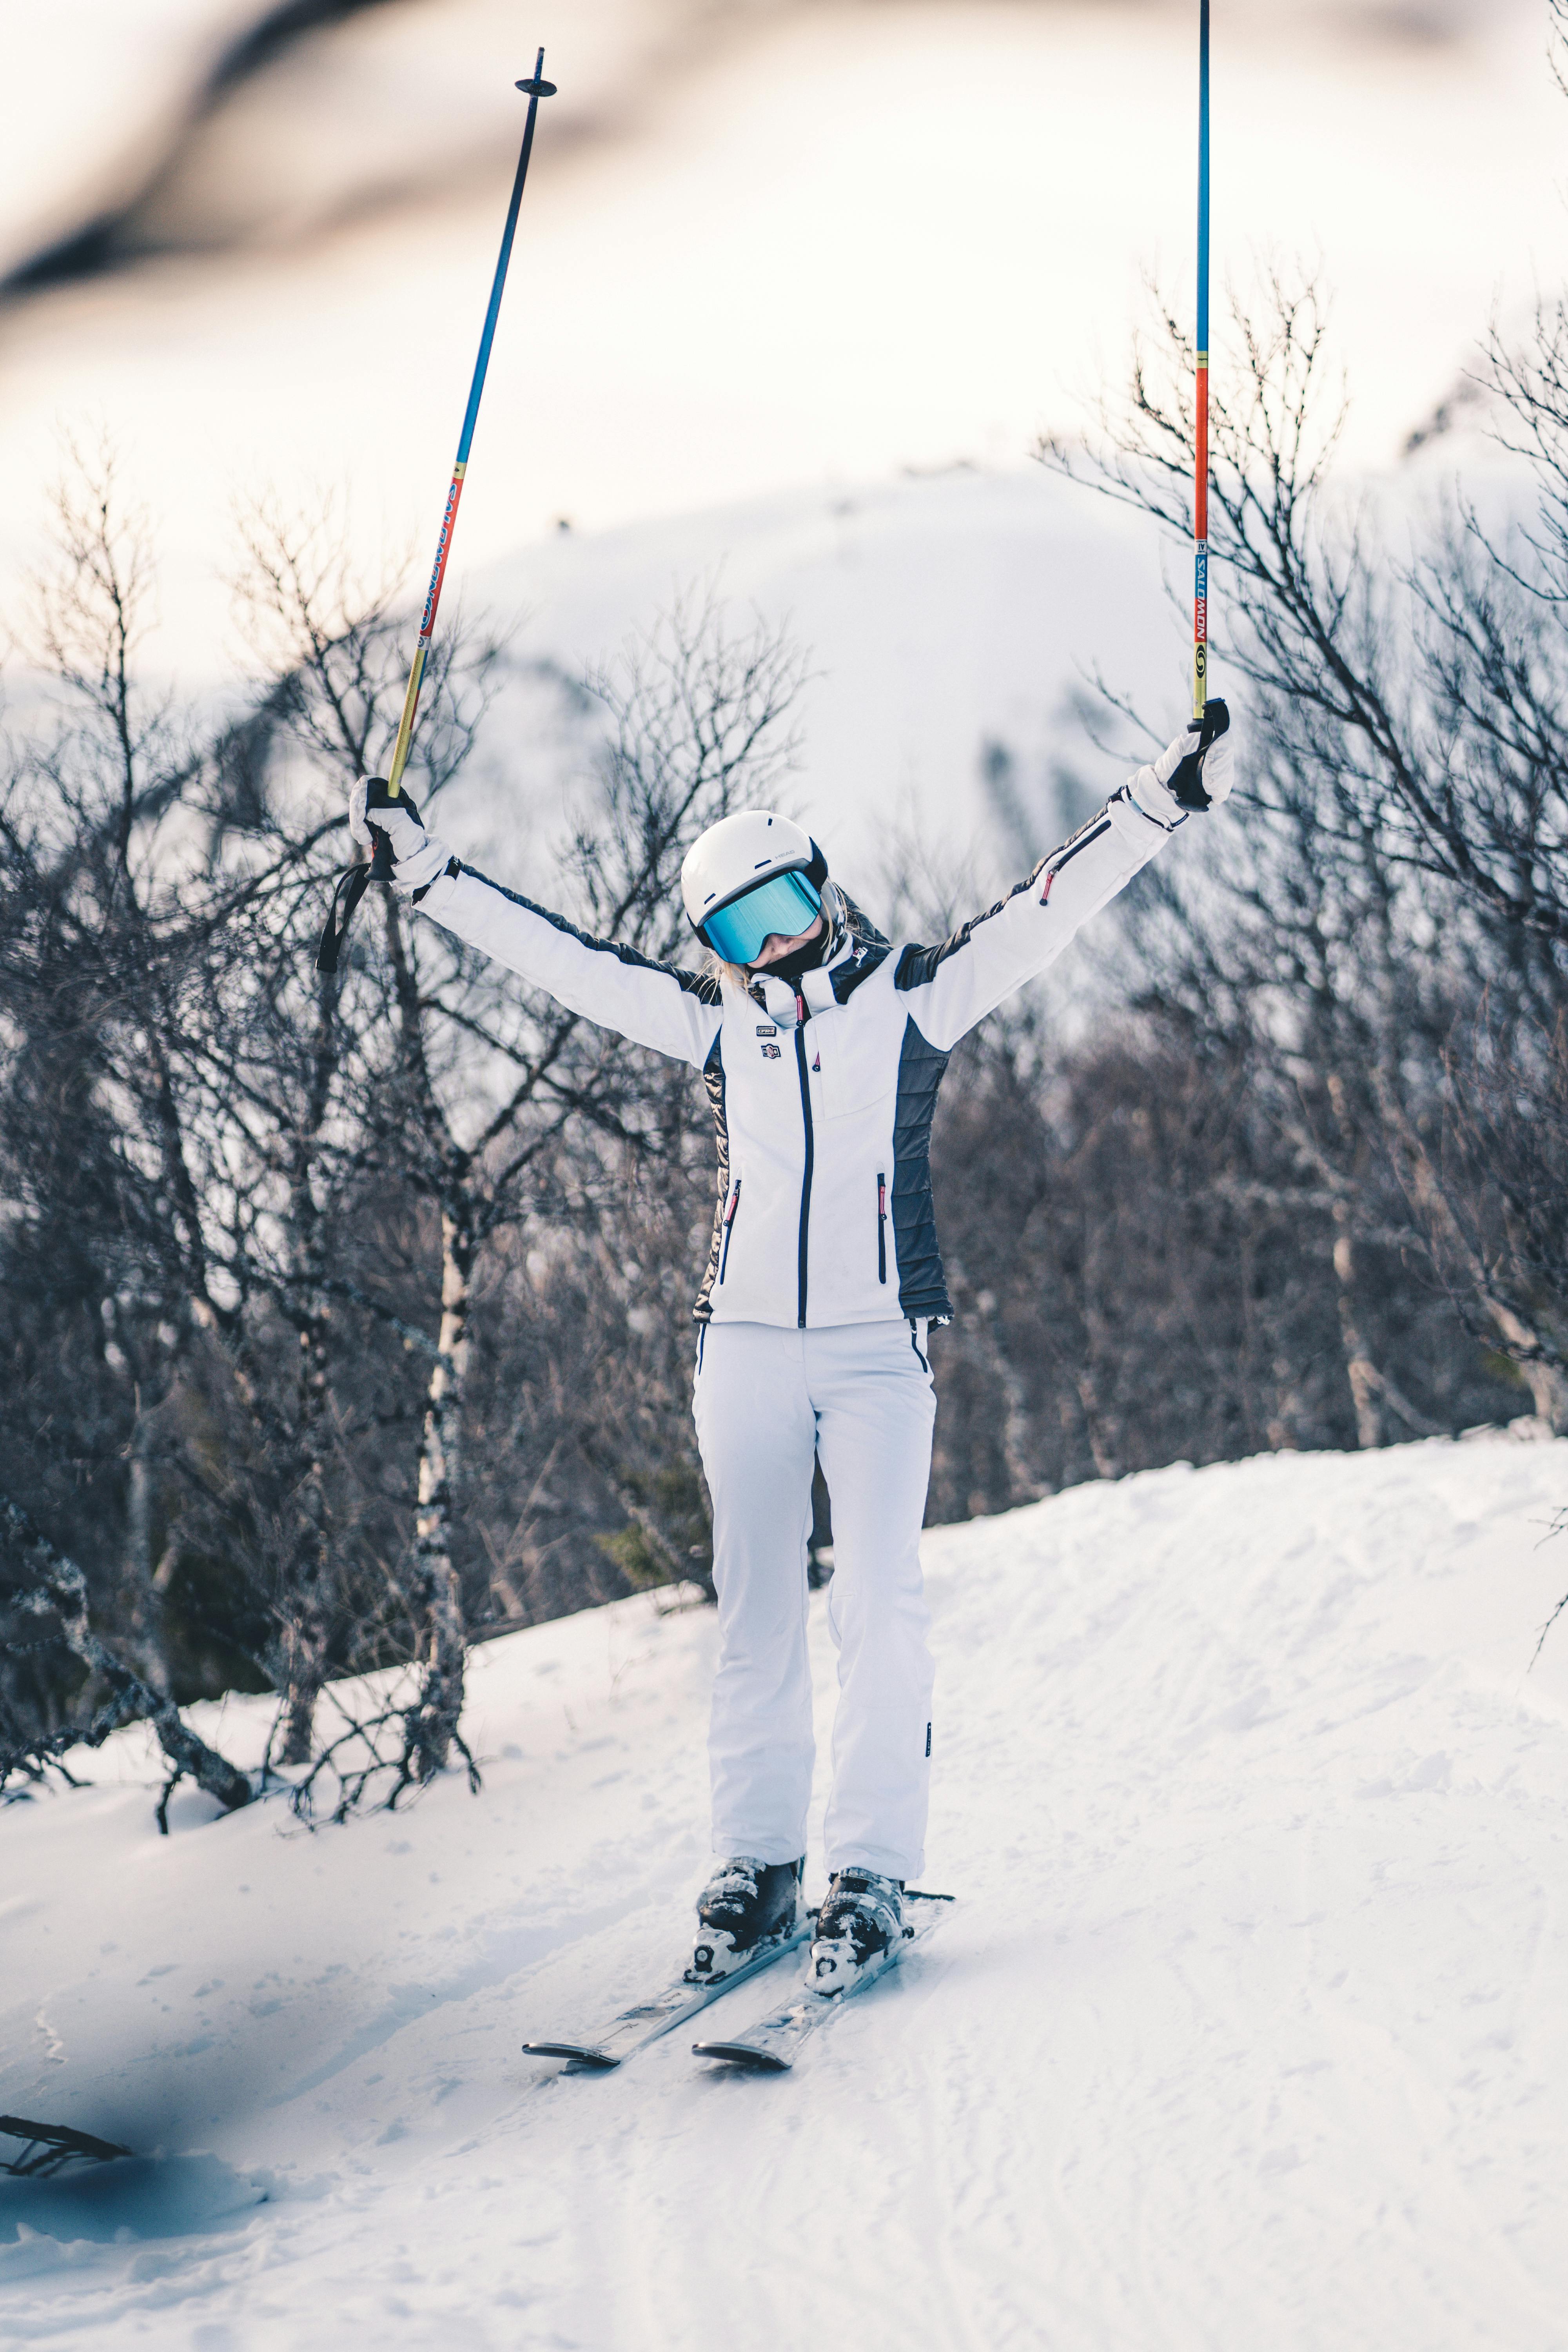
column 851, row 1074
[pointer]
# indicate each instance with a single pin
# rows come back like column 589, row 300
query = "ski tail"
column 633, row 2029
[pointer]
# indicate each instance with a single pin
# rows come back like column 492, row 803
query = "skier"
column 822, row 1047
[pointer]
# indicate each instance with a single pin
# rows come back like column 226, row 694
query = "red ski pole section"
column 443, row 549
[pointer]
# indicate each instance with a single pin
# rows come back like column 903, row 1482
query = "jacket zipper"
column 810, row 1150
column 882, row 1228
column 729, row 1227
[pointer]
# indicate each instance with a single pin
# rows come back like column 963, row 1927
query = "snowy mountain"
column 1250, row 2028
column 936, row 615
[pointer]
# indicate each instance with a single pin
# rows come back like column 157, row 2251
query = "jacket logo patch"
column 771, row 1052
column 767, row 1029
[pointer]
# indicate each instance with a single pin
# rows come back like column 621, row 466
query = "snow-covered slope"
column 1252, row 2028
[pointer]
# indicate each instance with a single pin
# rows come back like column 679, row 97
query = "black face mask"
column 804, row 960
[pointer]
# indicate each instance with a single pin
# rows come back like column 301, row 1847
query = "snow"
column 1250, row 2027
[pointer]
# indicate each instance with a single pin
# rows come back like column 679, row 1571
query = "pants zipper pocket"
column 882, row 1228
column 729, row 1227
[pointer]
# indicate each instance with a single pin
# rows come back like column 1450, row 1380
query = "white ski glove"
column 1195, row 771
column 417, row 856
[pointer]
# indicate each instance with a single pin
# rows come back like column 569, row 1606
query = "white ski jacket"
column 823, row 1089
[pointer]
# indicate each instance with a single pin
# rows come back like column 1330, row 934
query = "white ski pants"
column 766, row 1400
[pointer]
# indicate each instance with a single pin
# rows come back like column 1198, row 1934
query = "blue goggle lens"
column 784, row 903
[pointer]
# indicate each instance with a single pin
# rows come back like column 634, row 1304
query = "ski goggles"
column 785, row 904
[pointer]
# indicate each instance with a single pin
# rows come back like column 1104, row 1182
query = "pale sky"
column 762, row 247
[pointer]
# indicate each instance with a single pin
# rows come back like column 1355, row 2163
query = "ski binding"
column 771, row 2048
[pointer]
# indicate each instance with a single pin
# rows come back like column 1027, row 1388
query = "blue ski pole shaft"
column 536, row 88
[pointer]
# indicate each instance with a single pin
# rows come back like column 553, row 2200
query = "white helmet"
column 733, row 855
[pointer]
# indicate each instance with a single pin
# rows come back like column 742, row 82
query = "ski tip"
column 741, row 2054
column 596, row 2060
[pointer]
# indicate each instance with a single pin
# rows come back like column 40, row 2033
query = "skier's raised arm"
column 673, row 1011
column 949, row 987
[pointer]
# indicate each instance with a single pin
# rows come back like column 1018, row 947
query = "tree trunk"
column 307, row 1596
column 437, row 1594
column 1105, row 1462
column 1018, row 1430
column 145, row 1628
column 1360, row 1370
column 980, row 1338
column 308, row 1624
column 1539, row 1362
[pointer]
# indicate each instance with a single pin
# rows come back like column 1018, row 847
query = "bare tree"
column 58, row 1588
column 695, row 717
column 251, row 1161
column 1400, row 914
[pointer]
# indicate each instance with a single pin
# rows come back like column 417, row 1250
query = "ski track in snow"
column 1250, row 2027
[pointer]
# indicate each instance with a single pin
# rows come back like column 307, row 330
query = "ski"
column 772, row 2047
column 633, row 2029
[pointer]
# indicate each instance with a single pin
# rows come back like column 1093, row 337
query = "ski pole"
column 1201, row 400
column 353, row 883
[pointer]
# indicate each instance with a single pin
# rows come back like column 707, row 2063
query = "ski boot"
column 858, row 1930
column 745, row 1904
